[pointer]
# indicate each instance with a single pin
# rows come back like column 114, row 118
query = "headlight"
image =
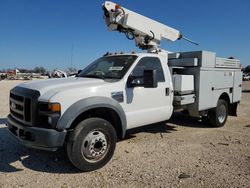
column 49, row 107
column 49, row 114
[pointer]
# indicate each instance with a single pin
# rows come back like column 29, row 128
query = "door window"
column 149, row 63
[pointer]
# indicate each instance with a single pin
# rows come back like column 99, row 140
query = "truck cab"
column 42, row 113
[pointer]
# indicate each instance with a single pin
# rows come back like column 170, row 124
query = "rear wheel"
column 218, row 116
column 91, row 145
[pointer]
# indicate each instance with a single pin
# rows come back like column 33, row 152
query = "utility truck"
column 121, row 91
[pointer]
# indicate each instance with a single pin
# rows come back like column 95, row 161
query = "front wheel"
column 91, row 145
column 218, row 116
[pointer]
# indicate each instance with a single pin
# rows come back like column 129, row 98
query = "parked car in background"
column 245, row 77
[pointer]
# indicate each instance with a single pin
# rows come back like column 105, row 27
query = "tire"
column 218, row 116
column 205, row 120
column 92, row 144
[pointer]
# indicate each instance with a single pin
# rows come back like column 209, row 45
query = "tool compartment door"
column 237, row 88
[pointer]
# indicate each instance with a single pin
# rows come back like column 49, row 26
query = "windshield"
column 109, row 67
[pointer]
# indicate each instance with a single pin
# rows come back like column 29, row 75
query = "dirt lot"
column 179, row 153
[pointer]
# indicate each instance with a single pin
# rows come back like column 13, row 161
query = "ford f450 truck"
column 117, row 92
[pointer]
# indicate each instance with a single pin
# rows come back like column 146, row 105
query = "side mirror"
column 148, row 80
column 78, row 72
column 134, row 81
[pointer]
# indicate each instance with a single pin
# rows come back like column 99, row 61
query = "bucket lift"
column 146, row 32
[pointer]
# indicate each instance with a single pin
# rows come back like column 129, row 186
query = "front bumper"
column 34, row 137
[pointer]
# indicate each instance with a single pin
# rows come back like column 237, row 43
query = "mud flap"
column 233, row 109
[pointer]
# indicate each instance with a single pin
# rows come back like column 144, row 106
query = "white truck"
column 120, row 91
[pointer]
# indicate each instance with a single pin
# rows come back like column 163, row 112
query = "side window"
column 149, row 63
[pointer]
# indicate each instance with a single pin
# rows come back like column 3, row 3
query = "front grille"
column 17, row 115
column 23, row 105
column 20, row 107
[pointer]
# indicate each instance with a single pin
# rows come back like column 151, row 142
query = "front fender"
column 89, row 103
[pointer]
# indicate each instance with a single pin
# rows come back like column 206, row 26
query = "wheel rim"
column 94, row 146
column 222, row 113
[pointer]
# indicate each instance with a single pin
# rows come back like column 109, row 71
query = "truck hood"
column 52, row 86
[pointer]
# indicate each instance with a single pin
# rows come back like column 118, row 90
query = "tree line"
column 40, row 70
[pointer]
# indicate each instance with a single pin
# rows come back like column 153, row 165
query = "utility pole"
column 71, row 58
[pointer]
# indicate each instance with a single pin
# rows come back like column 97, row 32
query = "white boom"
column 147, row 33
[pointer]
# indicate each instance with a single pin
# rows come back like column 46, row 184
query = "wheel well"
column 226, row 98
column 108, row 114
column 232, row 107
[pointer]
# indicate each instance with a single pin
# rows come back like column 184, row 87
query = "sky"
column 61, row 33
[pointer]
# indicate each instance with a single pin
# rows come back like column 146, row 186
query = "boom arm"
column 147, row 33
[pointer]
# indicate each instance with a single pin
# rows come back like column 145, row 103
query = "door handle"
column 167, row 91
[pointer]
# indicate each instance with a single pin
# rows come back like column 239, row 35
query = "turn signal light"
column 55, row 107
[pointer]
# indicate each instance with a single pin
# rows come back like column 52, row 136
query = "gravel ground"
column 179, row 153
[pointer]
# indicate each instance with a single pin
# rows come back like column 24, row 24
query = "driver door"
column 148, row 105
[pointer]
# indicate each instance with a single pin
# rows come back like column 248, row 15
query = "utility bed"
column 209, row 76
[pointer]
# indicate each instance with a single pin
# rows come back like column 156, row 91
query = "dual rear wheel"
column 218, row 116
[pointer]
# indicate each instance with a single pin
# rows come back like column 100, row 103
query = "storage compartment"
column 187, row 62
column 196, row 58
column 227, row 63
column 184, row 99
column 183, row 84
